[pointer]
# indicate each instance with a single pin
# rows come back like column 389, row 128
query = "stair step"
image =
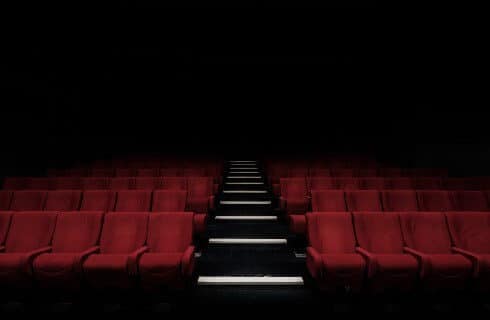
column 244, row 177
column 244, row 183
column 244, row 191
column 247, row 218
column 259, row 241
column 245, row 202
column 249, row 280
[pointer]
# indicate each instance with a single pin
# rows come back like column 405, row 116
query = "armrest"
column 199, row 223
column 133, row 260
column 297, row 224
column 371, row 260
column 187, row 263
column 78, row 264
column 314, row 263
column 30, row 256
column 470, row 256
column 422, row 258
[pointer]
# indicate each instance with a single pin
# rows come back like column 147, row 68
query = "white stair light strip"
column 244, row 183
column 245, row 202
column 251, row 281
column 255, row 172
column 246, row 168
column 244, row 177
column 197, row 255
column 246, row 241
column 243, row 161
column 244, row 191
column 300, row 255
column 245, row 218
column 243, row 164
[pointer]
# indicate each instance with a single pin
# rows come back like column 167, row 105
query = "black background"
column 255, row 82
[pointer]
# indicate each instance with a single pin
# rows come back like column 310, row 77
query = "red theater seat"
column 170, row 257
column 125, row 172
column 469, row 201
column 95, row 183
column 175, row 183
column 63, row 200
column 200, row 194
column 105, row 172
column 331, row 258
column 347, row 183
column 147, row 172
column 432, row 200
column 328, row 200
column 17, row 183
column 5, row 218
column 294, row 195
column 381, row 243
column 399, row 200
column 427, row 238
column 470, row 232
column 121, row 183
column 121, row 244
column 400, row 184
column 321, row 184
column 148, row 183
column 28, row 200
column 373, row 183
column 133, row 200
column 171, row 172
column 98, row 200
column 29, row 236
column 169, row 200
column 68, row 183
column 428, row 183
column 75, row 238
column 40, row 184
column 5, row 198
column 194, row 172
column 365, row 200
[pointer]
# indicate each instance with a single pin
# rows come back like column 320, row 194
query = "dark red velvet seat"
column 328, row 200
column 294, row 195
column 169, row 200
column 98, row 200
column 399, row 200
column 381, row 243
column 75, row 237
column 15, row 183
column 68, row 183
column 169, row 260
column 200, row 196
column 122, row 242
column 5, row 218
column 331, row 257
column 427, row 238
column 363, row 200
column 29, row 235
column 323, row 183
column 40, row 184
column 427, row 183
column 5, row 198
column 133, row 200
column 434, row 200
column 121, row 183
column 175, row 183
column 400, row 183
column 469, row 201
column 63, row 200
column 28, row 200
column 95, row 183
column 148, row 183
column 372, row 183
column 347, row 183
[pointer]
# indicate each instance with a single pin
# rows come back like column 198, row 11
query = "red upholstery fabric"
column 169, row 200
column 200, row 221
column 399, row 200
column 133, row 200
column 328, row 200
column 68, row 183
column 174, row 183
column 121, row 183
column 28, row 200
column 400, row 184
column 123, row 233
column 428, row 183
column 365, row 200
column 15, row 183
column 469, row 201
column 199, row 194
column 5, row 198
column 331, row 257
column 40, row 184
column 147, row 172
column 29, row 235
column 432, row 200
column 100, row 200
column 321, row 184
column 380, row 238
column 297, row 223
column 147, row 183
column 74, row 236
column 427, row 237
column 95, row 183
column 63, row 200
column 294, row 195
column 171, row 172
column 347, row 183
column 5, row 218
column 125, row 172
column 372, row 183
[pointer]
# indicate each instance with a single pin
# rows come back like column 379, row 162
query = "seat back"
column 469, row 201
column 5, row 198
column 378, row 233
column 363, row 200
column 470, row 230
column 133, row 200
column 63, row 200
column 28, row 200
column 399, row 200
column 169, row 200
column 434, row 200
column 170, row 231
column 98, row 200
column 328, row 200
column 293, row 188
column 5, row 218
column 77, row 231
column 426, row 232
column 123, row 232
column 331, row 232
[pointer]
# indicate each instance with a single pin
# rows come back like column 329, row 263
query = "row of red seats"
column 66, row 250
column 194, row 185
column 137, row 172
column 302, row 186
column 397, row 251
column 291, row 172
column 388, row 200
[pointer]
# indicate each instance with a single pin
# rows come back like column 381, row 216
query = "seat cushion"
column 449, row 265
column 12, row 269
column 107, row 270
column 160, row 268
column 343, row 270
column 57, row 270
column 397, row 264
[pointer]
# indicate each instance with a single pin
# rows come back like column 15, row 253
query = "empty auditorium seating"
column 373, row 183
column 133, row 200
column 399, row 200
column 29, row 236
column 331, row 257
column 469, row 201
column 200, row 194
column 5, row 198
column 470, row 232
column 169, row 200
column 62, row 200
column 5, row 217
column 177, row 183
column 67, row 183
column 15, row 183
column 427, row 238
column 171, row 172
column 399, row 184
column 427, row 183
column 39, row 184
column 147, row 183
column 98, row 200
column 95, row 183
column 121, row 244
column 328, row 200
column 316, row 183
column 347, row 183
column 432, row 200
column 121, row 183
column 381, row 243
column 294, row 195
column 75, row 237
column 363, row 200
column 28, row 200
column 169, row 260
